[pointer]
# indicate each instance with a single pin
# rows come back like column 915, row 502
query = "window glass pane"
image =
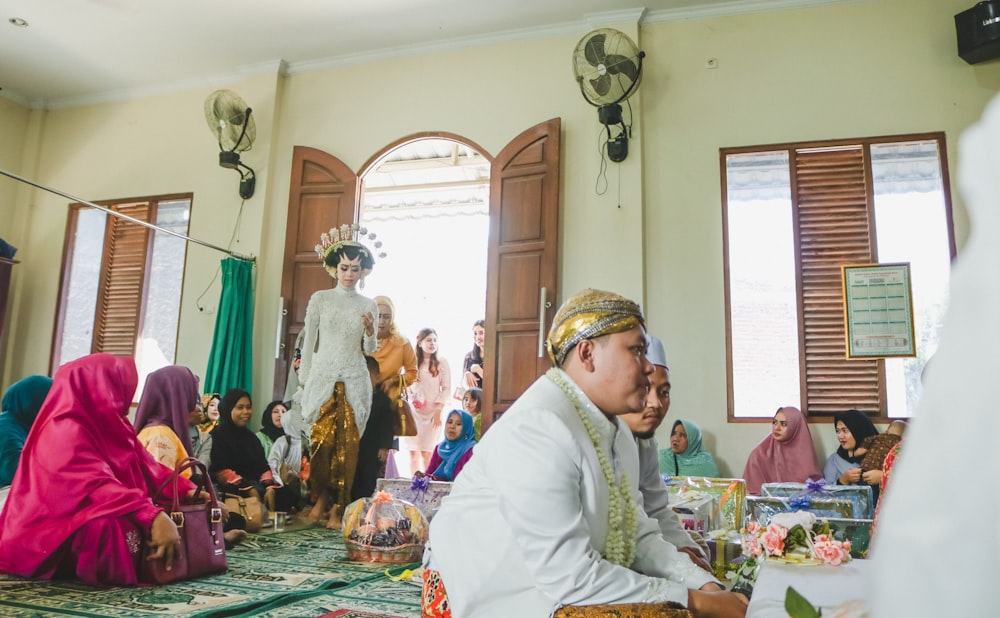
column 158, row 344
column 911, row 226
column 85, row 275
column 763, row 306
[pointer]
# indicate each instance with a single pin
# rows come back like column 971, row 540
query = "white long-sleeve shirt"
column 535, row 484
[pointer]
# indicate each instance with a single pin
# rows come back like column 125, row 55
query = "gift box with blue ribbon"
column 803, row 496
column 423, row 493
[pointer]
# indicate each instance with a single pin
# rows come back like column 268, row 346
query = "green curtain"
column 230, row 363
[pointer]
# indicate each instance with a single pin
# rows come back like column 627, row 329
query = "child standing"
column 472, row 402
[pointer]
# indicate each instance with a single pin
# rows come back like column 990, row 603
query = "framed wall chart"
column 878, row 311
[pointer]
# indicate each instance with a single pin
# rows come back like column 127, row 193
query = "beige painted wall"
column 872, row 68
column 868, row 68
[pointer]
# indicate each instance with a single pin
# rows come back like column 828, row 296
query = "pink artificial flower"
column 753, row 527
column 751, row 545
column 774, row 540
column 831, row 551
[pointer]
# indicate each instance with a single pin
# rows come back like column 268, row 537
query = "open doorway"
column 522, row 255
column 428, row 202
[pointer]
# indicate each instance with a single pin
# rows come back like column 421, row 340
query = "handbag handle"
column 204, row 483
column 402, row 388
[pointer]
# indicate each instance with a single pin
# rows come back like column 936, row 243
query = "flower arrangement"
column 794, row 538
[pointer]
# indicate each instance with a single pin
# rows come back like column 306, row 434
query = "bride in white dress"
column 337, row 396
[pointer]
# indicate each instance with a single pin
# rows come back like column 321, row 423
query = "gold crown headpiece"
column 347, row 234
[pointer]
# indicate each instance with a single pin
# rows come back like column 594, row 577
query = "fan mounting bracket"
column 610, row 114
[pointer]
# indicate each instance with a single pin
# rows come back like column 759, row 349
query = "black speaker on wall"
column 978, row 31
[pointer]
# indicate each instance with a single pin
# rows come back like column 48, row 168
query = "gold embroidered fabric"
column 333, row 448
column 625, row 610
column 589, row 314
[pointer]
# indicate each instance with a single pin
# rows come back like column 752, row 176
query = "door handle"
column 543, row 305
column 279, row 345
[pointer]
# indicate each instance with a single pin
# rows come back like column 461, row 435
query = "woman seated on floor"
column 270, row 425
column 285, row 458
column 169, row 404
column 239, row 465
column 844, row 466
column 81, row 501
column 685, row 457
column 455, row 450
column 21, row 404
column 786, row 455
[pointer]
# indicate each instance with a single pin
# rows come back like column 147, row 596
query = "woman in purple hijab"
column 169, row 403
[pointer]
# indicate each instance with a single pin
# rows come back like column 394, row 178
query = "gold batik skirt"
column 434, row 604
column 333, row 448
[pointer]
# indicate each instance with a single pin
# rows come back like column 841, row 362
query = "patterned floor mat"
column 379, row 597
column 265, row 573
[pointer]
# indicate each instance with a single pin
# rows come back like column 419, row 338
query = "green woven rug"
column 378, row 597
column 266, row 573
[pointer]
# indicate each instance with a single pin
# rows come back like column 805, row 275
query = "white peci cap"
column 655, row 352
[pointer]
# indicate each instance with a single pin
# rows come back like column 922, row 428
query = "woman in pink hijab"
column 786, row 455
column 80, row 503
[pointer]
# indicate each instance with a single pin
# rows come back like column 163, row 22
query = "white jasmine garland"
column 619, row 547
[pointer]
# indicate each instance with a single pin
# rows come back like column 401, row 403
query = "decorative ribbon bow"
column 814, row 486
column 421, row 484
column 803, row 499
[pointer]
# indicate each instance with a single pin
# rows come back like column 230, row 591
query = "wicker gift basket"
column 384, row 529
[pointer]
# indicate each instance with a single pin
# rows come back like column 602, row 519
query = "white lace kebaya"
column 333, row 319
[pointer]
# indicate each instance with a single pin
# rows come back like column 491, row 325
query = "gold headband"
column 587, row 315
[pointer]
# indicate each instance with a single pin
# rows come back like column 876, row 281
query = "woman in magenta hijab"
column 786, row 455
column 80, row 505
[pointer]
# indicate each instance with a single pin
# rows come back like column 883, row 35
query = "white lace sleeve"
column 370, row 342
column 311, row 330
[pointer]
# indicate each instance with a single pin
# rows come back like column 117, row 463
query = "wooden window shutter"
column 832, row 210
column 121, row 291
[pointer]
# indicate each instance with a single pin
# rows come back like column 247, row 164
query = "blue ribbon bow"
column 815, row 486
column 803, row 499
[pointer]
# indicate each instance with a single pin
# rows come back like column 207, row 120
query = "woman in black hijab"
column 844, row 466
column 239, row 464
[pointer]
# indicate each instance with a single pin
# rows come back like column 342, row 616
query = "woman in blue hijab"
column 21, row 404
column 450, row 456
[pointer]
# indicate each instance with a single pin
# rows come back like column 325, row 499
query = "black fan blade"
column 621, row 64
column 602, row 84
column 593, row 49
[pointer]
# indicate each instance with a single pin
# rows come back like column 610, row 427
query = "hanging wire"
column 602, row 174
column 239, row 256
column 630, row 118
column 218, row 269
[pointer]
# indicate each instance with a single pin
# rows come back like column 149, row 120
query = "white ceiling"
column 75, row 52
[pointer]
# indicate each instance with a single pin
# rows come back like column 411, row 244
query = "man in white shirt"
column 547, row 513
column 654, row 491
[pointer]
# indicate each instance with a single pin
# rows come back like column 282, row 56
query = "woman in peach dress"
column 429, row 395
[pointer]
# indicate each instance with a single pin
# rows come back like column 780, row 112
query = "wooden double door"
column 522, row 262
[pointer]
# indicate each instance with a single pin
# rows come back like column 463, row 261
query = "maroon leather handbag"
column 202, row 550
